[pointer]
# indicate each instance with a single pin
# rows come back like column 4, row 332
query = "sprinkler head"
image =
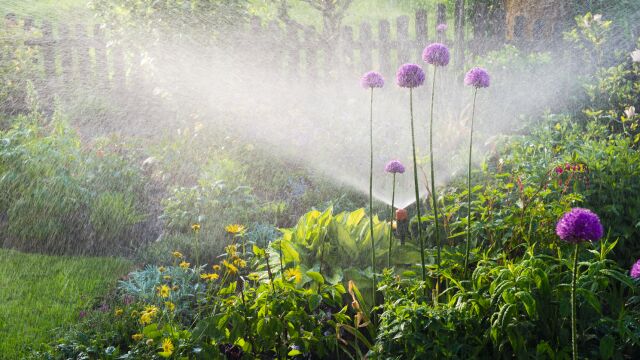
column 402, row 225
column 401, row 215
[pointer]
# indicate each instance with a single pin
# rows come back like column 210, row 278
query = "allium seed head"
column 477, row 77
column 394, row 167
column 436, row 54
column 372, row 79
column 410, row 76
column 579, row 225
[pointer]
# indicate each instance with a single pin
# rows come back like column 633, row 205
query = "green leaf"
column 294, row 352
column 355, row 217
column 607, row 346
column 316, row 276
column 314, row 301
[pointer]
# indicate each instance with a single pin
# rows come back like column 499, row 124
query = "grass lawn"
column 40, row 293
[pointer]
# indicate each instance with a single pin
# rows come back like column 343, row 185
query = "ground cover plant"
column 531, row 252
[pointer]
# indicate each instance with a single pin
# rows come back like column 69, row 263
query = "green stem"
column 573, row 303
column 433, row 183
column 373, row 245
column 393, row 198
column 415, row 183
column 466, row 250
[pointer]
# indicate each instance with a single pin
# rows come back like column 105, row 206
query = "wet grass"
column 39, row 294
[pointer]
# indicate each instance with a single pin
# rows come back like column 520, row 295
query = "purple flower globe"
column 477, row 77
column 394, row 167
column 436, row 54
column 441, row 28
column 579, row 225
column 635, row 270
column 410, row 76
column 372, row 79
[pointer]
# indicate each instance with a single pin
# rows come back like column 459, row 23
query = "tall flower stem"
column 373, row 244
column 393, row 198
column 574, row 337
column 466, row 250
column 417, row 189
column 433, row 183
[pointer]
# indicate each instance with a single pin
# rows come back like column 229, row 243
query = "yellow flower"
column 216, row 267
column 175, row 288
column 231, row 250
column 195, row 227
column 209, row 277
column 161, row 269
column 163, row 291
column 146, row 318
column 253, row 277
column 137, row 337
column 230, row 267
column 240, row 263
column 167, row 277
column 293, row 273
column 170, row 306
column 177, row 255
column 119, row 312
column 167, row 347
column 149, row 342
column 148, row 314
column 185, row 265
column 235, row 229
column 134, row 314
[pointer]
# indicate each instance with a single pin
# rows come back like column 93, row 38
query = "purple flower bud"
column 477, row 77
column 635, row 270
column 441, row 28
column 436, row 54
column 410, row 76
column 372, row 79
column 394, row 167
column 579, row 225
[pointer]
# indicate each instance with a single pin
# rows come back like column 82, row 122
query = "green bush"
column 62, row 198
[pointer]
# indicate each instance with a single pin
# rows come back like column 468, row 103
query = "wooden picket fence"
column 89, row 55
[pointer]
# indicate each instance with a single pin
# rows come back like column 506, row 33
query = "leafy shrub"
column 236, row 309
column 514, row 308
column 61, row 198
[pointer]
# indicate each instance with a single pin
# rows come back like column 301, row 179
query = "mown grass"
column 39, row 294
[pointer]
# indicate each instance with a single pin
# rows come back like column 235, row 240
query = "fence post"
column 65, row 47
column 294, row 45
column 48, row 52
column 458, row 45
column 384, row 48
column 118, row 67
column 421, row 31
column 366, row 46
column 101, row 65
column 402, row 24
column 441, row 14
column 311, row 53
column 347, row 49
column 82, row 54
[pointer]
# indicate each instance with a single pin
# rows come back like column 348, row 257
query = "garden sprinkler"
column 402, row 225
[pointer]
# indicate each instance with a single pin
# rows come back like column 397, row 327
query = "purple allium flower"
column 635, row 270
column 394, row 167
column 372, row 79
column 477, row 77
column 410, row 76
column 436, row 54
column 579, row 225
column 441, row 28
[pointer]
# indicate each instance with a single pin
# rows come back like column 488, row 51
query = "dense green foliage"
column 59, row 197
